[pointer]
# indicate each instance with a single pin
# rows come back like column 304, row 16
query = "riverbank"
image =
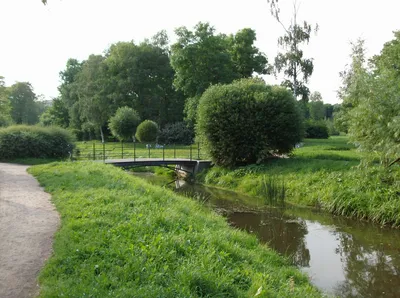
column 323, row 174
column 121, row 236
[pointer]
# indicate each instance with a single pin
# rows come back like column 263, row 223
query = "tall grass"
column 273, row 190
column 122, row 237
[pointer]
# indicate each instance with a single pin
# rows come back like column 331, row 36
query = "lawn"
column 122, row 237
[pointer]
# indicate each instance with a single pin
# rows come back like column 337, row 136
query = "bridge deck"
column 154, row 162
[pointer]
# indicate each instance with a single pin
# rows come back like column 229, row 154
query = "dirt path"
column 27, row 224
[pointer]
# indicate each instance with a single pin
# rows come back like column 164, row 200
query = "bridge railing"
column 122, row 150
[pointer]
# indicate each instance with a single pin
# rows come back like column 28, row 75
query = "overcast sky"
column 37, row 40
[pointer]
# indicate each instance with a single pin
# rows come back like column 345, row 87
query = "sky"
column 37, row 40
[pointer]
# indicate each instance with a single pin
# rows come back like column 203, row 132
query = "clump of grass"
column 122, row 237
column 273, row 190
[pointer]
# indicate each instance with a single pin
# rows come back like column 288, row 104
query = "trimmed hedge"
column 147, row 131
column 123, row 124
column 247, row 121
column 23, row 141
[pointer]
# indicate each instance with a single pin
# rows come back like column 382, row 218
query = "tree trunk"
column 102, row 134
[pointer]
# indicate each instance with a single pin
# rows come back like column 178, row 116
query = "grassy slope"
column 122, row 237
column 323, row 173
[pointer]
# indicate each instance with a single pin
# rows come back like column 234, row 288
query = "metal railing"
column 122, row 150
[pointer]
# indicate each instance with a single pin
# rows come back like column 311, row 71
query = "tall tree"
column 296, row 68
column 94, row 102
column 5, row 117
column 69, row 91
column 141, row 77
column 22, row 99
column 247, row 58
column 202, row 58
column 355, row 84
column 316, row 106
column 374, row 121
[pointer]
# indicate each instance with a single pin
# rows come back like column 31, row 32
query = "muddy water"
column 342, row 257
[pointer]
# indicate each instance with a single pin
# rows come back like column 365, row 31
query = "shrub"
column 243, row 122
column 123, row 124
column 316, row 130
column 147, row 131
column 22, row 141
column 177, row 133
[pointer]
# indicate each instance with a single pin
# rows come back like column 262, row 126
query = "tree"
column 202, row 58
column 316, row 106
column 94, row 103
column 147, row 131
column 124, row 123
column 69, row 91
column 57, row 114
column 22, row 100
column 355, row 85
column 374, row 122
column 141, row 77
column 5, row 117
column 247, row 59
column 296, row 69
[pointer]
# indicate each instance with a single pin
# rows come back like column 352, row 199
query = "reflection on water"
column 343, row 257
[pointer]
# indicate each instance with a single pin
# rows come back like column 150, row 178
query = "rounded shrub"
column 22, row 141
column 123, row 124
column 246, row 121
column 147, row 131
column 316, row 130
column 177, row 133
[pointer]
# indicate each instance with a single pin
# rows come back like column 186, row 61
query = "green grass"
column 323, row 173
column 122, row 237
column 116, row 150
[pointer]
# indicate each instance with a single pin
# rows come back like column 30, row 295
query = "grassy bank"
column 323, row 173
column 122, row 237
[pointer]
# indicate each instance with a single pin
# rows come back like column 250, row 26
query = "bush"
column 246, row 121
column 177, row 133
column 147, row 131
column 316, row 130
column 123, row 124
column 22, row 141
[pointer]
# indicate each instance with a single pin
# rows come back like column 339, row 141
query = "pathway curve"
column 28, row 222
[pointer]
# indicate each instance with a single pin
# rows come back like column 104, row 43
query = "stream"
column 342, row 257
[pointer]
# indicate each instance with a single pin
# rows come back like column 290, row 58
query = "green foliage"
column 374, row 121
column 57, row 114
column 177, row 133
column 246, row 121
column 123, row 124
column 123, row 237
column 202, row 58
column 22, row 100
column 295, row 67
column 22, row 141
column 316, row 130
column 332, row 131
column 323, row 173
column 5, row 117
column 147, row 131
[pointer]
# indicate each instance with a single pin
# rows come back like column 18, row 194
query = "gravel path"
column 28, row 222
